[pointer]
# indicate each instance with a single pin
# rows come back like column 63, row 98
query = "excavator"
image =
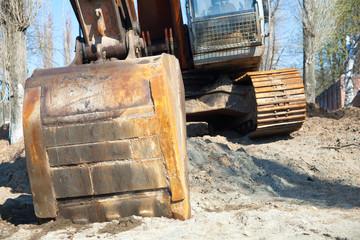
column 105, row 137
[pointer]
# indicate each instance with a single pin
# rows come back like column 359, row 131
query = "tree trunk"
column 270, row 53
column 309, row 50
column 3, row 106
column 349, row 85
column 17, row 76
column 309, row 72
column 267, row 62
column 67, row 39
column 2, row 110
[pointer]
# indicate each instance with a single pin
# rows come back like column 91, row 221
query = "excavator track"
column 281, row 102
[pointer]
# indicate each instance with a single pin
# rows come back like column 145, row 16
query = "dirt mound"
column 117, row 226
column 13, row 171
column 314, row 110
column 338, row 130
column 16, row 204
column 305, row 185
column 219, row 173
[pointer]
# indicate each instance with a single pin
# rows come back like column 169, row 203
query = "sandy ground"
column 302, row 186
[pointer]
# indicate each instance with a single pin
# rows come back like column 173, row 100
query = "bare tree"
column 2, row 104
column 67, row 39
column 44, row 37
column 309, row 49
column 318, row 18
column 4, row 66
column 351, row 46
column 268, row 60
column 15, row 18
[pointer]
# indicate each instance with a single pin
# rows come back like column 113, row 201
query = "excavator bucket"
column 107, row 140
column 280, row 99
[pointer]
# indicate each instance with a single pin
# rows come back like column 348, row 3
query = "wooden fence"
column 334, row 97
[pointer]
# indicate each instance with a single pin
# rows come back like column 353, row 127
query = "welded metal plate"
column 109, row 130
column 150, row 204
column 89, row 153
column 108, row 177
column 87, row 93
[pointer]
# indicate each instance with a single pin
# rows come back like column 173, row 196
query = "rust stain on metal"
column 128, row 176
column 89, row 153
column 95, row 92
column 100, row 131
column 71, row 182
column 38, row 167
column 151, row 204
column 102, row 28
column 144, row 148
column 115, row 130
column 179, row 31
column 164, row 14
column 168, row 97
column 32, row 98
column 88, row 11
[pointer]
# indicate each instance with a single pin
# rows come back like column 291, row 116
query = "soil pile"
column 305, row 185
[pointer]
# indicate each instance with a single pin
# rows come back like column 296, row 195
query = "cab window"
column 213, row 8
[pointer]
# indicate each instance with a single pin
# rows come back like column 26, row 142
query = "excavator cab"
column 226, row 35
column 227, row 39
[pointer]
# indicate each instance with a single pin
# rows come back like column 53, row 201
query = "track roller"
column 281, row 102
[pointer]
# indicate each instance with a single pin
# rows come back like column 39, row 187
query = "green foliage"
column 332, row 57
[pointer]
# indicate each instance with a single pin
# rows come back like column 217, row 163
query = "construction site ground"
column 301, row 186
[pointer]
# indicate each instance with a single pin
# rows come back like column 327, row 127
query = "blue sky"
column 58, row 10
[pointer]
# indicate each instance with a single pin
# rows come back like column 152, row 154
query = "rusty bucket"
column 107, row 140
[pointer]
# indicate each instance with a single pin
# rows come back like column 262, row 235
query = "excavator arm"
column 107, row 139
